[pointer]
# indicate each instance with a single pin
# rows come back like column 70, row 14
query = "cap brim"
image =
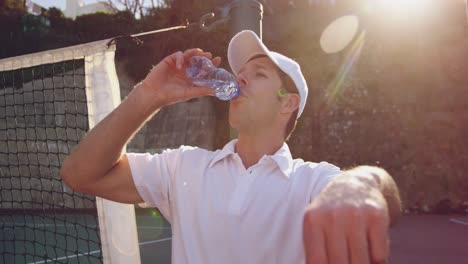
column 244, row 46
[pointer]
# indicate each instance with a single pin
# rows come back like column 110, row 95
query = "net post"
column 117, row 222
column 466, row 11
column 246, row 15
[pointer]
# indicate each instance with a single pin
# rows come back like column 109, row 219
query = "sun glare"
column 403, row 5
column 339, row 34
column 410, row 8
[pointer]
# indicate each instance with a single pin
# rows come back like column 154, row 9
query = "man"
column 249, row 202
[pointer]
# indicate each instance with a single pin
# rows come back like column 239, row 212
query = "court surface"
column 425, row 239
column 430, row 239
column 37, row 239
column 417, row 239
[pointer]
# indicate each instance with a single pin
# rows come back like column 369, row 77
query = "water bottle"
column 202, row 72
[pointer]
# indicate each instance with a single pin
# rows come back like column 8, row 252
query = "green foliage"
column 12, row 4
column 35, row 24
column 54, row 14
column 11, row 35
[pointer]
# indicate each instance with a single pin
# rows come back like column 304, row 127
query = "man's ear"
column 290, row 103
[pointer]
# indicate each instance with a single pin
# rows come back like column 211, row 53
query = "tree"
column 9, row 6
column 132, row 6
column 55, row 16
column 53, row 13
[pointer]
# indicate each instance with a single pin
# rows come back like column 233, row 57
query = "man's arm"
column 97, row 165
column 348, row 222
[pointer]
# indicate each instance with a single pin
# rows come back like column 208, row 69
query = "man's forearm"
column 103, row 145
column 380, row 179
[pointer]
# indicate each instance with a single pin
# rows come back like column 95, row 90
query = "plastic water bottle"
column 202, row 72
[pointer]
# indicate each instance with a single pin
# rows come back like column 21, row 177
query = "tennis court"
column 430, row 239
column 74, row 238
column 154, row 235
column 427, row 239
column 69, row 238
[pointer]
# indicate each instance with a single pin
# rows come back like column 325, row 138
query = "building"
column 34, row 8
column 76, row 8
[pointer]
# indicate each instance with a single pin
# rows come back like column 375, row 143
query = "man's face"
column 258, row 104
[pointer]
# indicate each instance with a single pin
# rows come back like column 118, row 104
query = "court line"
column 155, row 241
column 154, row 227
column 458, row 221
column 66, row 257
column 96, row 251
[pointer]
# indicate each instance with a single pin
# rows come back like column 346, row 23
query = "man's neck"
column 251, row 148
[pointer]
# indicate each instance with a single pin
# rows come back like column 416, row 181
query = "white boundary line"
column 155, row 241
column 153, row 227
column 96, row 251
column 459, row 221
column 66, row 257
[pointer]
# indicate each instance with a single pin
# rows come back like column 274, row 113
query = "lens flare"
column 403, row 5
column 155, row 214
column 339, row 34
column 335, row 88
column 152, row 227
column 398, row 9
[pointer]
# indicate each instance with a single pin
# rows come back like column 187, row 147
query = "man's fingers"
column 337, row 248
column 208, row 55
column 179, row 58
column 216, row 61
column 358, row 246
column 193, row 52
column 182, row 58
column 378, row 240
column 314, row 241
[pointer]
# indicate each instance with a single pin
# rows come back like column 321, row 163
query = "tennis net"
column 48, row 101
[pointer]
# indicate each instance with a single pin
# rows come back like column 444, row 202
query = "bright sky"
column 61, row 3
column 57, row 3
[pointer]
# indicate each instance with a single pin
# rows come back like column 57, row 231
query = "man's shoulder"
column 191, row 153
column 317, row 168
column 314, row 175
column 190, row 150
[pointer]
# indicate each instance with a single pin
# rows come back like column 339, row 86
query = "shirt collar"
column 282, row 157
column 228, row 149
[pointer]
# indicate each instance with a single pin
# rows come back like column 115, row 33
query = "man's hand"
column 167, row 84
column 349, row 221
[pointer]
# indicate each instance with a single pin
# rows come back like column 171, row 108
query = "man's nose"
column 242, row 80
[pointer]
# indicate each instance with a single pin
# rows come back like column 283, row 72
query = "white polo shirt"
column 221, row 212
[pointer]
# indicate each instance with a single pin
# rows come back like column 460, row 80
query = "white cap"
column 246, row 44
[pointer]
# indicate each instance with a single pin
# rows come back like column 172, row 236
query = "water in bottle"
column 202, row 72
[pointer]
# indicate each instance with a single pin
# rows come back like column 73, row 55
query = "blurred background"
column 395, row 96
